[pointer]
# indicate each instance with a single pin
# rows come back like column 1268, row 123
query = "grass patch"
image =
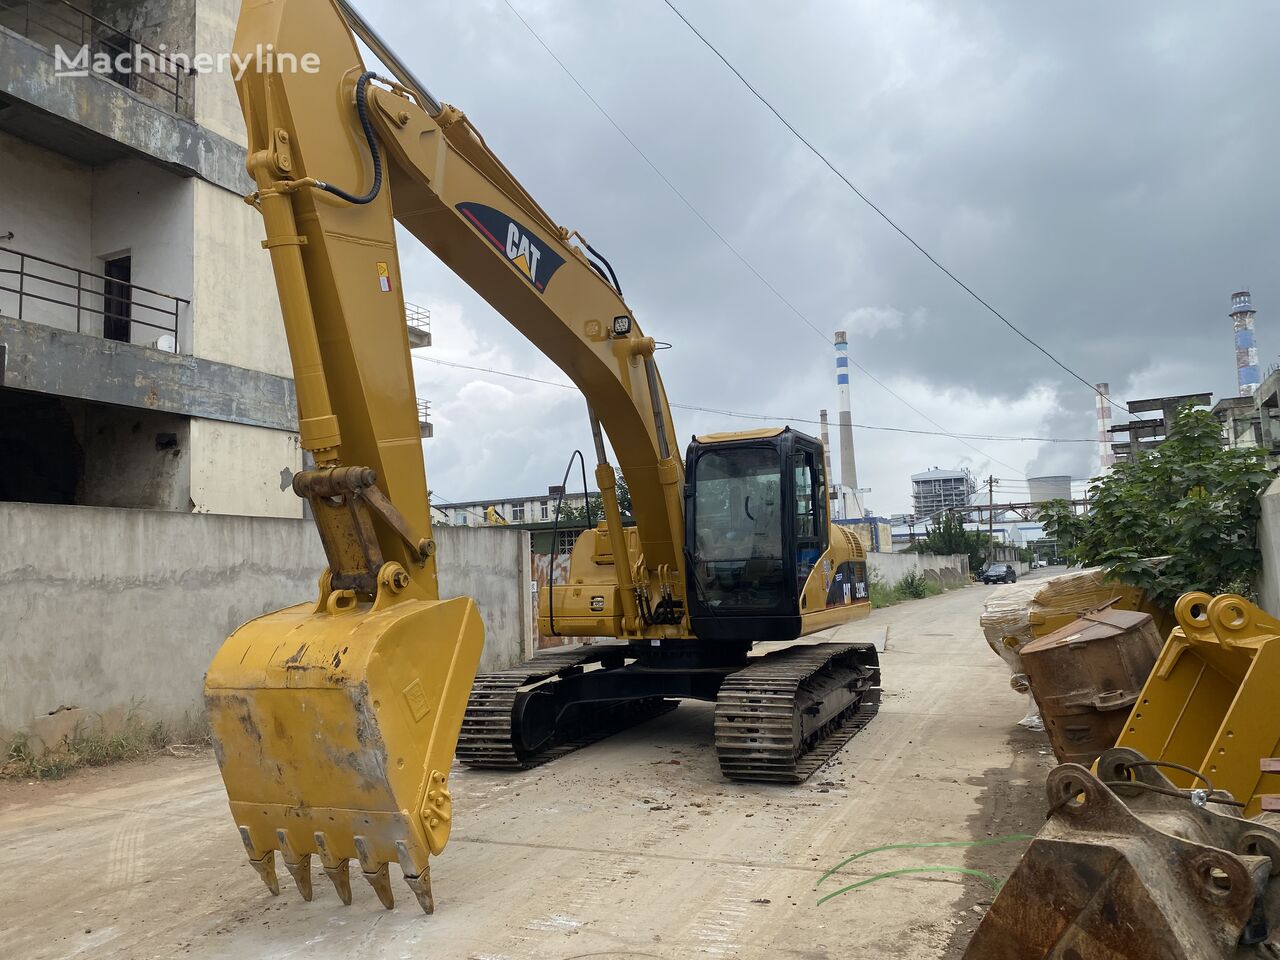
column 913, row 586
column 137, row 737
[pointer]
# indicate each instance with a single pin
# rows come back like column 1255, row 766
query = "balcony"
column 424, row 419
column 419, row 322
column 105, row 305
column 148, row 72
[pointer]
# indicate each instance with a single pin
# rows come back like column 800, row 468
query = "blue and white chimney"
column 1246, row 350
column 848, row 466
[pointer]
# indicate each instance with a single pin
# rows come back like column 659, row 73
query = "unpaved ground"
column 632, row 848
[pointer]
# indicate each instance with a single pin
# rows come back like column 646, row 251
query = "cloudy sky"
column 1104, row 174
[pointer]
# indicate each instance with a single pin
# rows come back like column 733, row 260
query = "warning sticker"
column 384, row 277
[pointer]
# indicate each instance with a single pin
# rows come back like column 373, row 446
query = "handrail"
column 27, row 279
column 90, row 28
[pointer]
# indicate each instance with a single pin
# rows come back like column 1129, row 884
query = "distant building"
column 1241, row 421
column 511, row 511
column 934, row 491
column 1142, row 434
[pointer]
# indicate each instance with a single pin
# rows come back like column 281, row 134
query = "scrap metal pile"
column 1169, row 848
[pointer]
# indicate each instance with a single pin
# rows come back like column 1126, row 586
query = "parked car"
column 999, row 573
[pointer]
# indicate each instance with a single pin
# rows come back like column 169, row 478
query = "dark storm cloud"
column 1101, row 173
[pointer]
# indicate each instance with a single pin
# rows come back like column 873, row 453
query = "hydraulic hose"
column 362, row 109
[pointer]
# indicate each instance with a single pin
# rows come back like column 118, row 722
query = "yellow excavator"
column 336, row 722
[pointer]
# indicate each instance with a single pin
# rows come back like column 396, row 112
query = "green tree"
column 571, row 514
column 949, row 536
column 1182, row 517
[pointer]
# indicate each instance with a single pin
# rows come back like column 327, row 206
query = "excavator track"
column 786, row 714
column 488, row 738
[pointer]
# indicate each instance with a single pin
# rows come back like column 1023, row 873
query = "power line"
column 734, row 250
column 759, row 416
column 884, row 216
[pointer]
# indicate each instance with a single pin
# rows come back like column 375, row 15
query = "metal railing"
column 418, row 320
column 51, row 293
column 151, row 73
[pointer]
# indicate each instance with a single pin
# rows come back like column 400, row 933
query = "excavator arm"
column 336, row 722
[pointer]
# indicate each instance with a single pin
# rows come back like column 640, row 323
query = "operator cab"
column 756, row 524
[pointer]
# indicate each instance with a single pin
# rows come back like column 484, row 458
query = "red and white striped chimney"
column 1106, row 456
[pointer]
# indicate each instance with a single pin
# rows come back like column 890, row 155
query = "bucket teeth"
column 421, row 887
column 336, row 870
column 301, row 872
column 264, row 861
column 266, row 867
column 299, row 867
column 380, row 880
column 341, row 877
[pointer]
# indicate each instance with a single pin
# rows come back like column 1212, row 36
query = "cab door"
column 809, row 516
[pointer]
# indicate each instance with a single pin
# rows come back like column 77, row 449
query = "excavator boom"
column 336, row 721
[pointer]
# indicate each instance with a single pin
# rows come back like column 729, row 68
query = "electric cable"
column 729, row 246
column 761, row 416
column 884, row 216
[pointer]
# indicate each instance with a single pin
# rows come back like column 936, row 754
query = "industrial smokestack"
column 1246, row 352
column 1106, row 456
column 826, row 451
column 848, row 466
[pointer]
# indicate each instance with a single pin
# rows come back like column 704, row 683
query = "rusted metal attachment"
column 1130, row 867
column 345, row 501
column 1271, row 801
column 1086, row 677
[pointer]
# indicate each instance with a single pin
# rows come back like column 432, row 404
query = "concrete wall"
column 146, row 214
column 217, row 107
column 237, row 311
column 892, row 567
column 106, row 608
column 1269, row 547
column 243, row 470
column 44, row 203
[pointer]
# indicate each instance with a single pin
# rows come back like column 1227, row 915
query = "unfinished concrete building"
column 145, row 362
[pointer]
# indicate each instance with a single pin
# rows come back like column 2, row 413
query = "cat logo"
column 532, row 259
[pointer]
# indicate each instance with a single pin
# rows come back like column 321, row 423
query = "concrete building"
column 1142, row 434
column 935, row 490
column 513, row 511
column 1241, row 421
column 145, row 359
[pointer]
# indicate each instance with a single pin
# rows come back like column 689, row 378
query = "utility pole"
column 991, row 482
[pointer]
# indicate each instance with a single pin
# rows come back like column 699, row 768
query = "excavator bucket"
column 1210, row 702
column 335, row 728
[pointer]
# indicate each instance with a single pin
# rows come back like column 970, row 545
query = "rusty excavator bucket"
column 334, row 727
column 1212, row 702
column 1128, row 867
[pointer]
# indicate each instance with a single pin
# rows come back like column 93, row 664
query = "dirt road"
column 632, row 848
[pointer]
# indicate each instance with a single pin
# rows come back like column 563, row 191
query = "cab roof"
column 764, row 433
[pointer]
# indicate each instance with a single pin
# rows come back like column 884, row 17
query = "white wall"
column 237, row 312
column 105, row 608
column 1269, row 546
column 45, row 203
column 146, row 213
column 217, row 107
column 892, row 567
column 238, row 469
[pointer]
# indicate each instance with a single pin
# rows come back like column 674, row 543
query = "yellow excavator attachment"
column 1211, row 701
column 335, row 728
